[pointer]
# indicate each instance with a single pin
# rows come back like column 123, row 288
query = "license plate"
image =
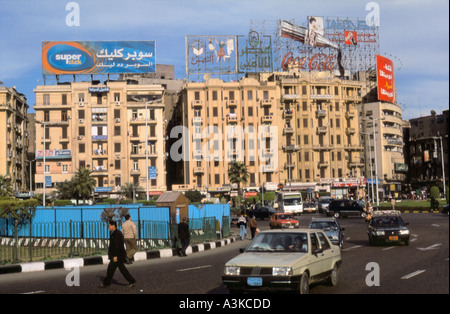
column 254, row 281
column 291, row 227
column 393, row 238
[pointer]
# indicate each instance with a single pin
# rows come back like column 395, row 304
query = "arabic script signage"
column 317, row 62
column 385, row 77
column 98, row 57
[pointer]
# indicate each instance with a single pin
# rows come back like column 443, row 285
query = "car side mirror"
column 317, row 251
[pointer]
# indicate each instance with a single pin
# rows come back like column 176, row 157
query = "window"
column 81, row 148
column 64, row 99
column 46, row 99
column 323, row 242
column 117, row 147
column 46, row 116
column 214, row 95
column 117, row 130
column 117, row 165
column 314, row 242
column 65, row 168
column 80, row 114
column 116, row 96
column 47, row 168
column 249, row 95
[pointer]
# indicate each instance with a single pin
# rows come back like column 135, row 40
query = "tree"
column 84, row 184
column 130, row 190
column 5, row 187
column 238, row 173
column 193, row 196
column 434, row 194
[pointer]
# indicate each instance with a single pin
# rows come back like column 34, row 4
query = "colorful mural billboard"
column 98, row 57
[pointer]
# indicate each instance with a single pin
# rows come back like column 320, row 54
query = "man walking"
column 184, row 235
column 116, row 255
column 130, row 235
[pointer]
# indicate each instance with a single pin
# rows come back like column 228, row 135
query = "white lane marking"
column 413, row 274
column 34, row 292
column 193, row 268
column 351, row 248
column 432, row 247
column 388, row 248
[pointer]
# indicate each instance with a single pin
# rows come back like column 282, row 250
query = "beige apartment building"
column 14, row 139
column 306, row 130
column 382, row 137
column 105, row 128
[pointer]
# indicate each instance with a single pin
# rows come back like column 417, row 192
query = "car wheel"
column 336, row 215
column 406, row 242
column 333, row 279
column 363, row 215
column 304, row 284
column 341, row 244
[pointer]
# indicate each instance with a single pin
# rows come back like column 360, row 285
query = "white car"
column 284, row 260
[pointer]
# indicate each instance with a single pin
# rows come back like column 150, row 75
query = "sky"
column 413, row 33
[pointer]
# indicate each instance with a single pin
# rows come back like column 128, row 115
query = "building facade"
column 382, row 135
column 14, row 140
column 305, row 130
column 427, row 149
column 105, row 128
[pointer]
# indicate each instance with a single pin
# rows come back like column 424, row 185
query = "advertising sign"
column 385, row 77
column 98, row 57
column 211, row 54
column 256, row 55
column 54, row 154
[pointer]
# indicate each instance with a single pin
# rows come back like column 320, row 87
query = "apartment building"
column 105, row 128
column 382, row 135
column 306, row 130
column 14, row 139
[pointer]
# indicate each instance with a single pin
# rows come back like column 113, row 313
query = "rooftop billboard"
column 98, row 57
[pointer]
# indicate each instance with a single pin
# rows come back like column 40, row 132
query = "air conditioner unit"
column 58, row 164
column 81, row 104
column 118, row 120
column 117, row 103
column 79, row 137
column 80, row 120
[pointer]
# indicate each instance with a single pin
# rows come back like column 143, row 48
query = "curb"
column 70, row 263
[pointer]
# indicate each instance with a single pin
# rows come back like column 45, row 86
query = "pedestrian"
column 130, row 236
column 242, row 222
column 184, row 235
column 116, row 255
column 393, row 203
column 253, row 225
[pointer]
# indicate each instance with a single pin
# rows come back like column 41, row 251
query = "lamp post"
column 44, row 124
column 370, row 162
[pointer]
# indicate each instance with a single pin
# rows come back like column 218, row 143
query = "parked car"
column 284, row 260
column 262, row 212
column 234, row 219
column 324, row 201
column 387, row 226
column 283, row 220
column 331, row 228
column 309, row 207
column 345, row 208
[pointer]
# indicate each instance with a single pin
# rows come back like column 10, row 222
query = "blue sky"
column 413, row 33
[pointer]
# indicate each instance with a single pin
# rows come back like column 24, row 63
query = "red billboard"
column 385, row 78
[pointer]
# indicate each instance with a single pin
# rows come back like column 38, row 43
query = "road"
column 420, row 268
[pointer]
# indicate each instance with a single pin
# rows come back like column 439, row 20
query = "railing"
column 54, row 240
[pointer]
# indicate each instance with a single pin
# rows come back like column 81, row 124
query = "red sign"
column 319, row 62
column 385, row 77
column 250, row 194
column 350, row 38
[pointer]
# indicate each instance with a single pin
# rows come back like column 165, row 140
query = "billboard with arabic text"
column 98, row 57
column 385, row 78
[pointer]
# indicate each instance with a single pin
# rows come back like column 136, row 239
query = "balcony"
column 198, row 170
column 266, row 102
column 289, row 164
column 197, row 120
column 322, row 130
column 350, row 130
column 321, row 113
column 355, row 164
column 197, row 104
column 232, row 119
column 288, row 130
column 287, row 113
column 323, row 164
column 291, row 148
column 232, row 103
column 267, row 119
column 350, row 114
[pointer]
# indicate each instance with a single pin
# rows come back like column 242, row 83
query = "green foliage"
column 434, row 195
column 193, row 196
column 84, row 184
column 19, row 211
column 5, row 187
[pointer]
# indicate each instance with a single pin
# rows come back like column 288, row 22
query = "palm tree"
column 84, row 184
column 237, row 173
column 130, row 190
column 5, row 186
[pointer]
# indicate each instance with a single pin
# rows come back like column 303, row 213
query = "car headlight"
column 232, row 270
column 406, row 231
column 379, row 233
column 334, row 237
column 281, row 271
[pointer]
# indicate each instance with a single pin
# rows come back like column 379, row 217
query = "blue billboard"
column 98, row 57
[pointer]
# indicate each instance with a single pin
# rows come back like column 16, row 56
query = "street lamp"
column 370, row 161
column 375, row 152
column 44, row 124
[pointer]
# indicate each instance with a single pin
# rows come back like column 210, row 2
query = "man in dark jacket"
column 117, row 256
column 184, row 235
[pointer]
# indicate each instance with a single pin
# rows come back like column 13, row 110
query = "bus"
column 290, row 202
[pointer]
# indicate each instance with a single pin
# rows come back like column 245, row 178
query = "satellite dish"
column 207, row 76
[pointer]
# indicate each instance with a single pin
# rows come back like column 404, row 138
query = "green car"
column 284, row 260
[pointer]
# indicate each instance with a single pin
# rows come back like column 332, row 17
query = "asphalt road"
column 420, row 268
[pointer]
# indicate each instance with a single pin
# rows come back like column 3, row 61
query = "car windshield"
column 280, row 242
column 285, row 217
column 292, row 201
column 387, row 221
column 324, row 225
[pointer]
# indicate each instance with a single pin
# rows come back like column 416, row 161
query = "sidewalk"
column 99, row 260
